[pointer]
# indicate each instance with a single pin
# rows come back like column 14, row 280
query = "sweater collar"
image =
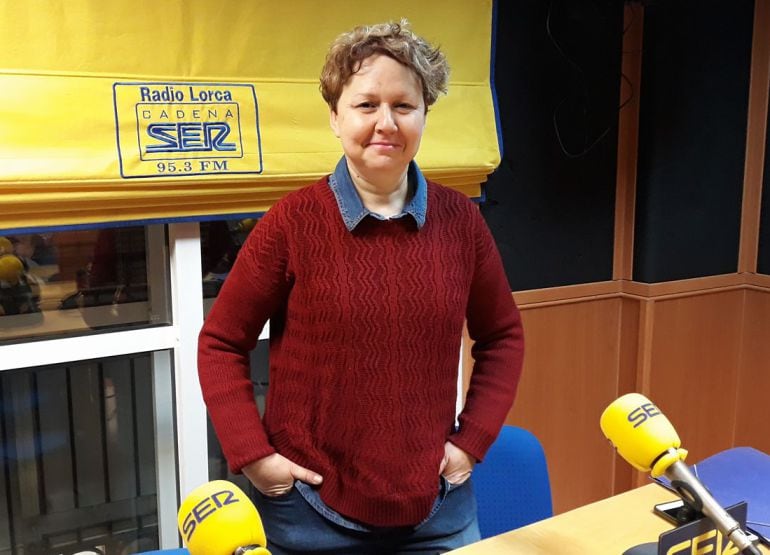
column 353, row 210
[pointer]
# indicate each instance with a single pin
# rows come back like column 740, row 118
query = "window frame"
column 180, row 415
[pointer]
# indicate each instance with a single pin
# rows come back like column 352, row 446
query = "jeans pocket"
column 450, row 486
column 279, row 497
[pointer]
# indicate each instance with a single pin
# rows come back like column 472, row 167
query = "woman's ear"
column 333, row 123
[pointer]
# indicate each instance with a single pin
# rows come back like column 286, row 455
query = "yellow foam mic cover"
column 642, row 434
column 6, row 247
column 218, row 518
column 11, row 269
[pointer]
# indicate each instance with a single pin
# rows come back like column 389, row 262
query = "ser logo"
column 175, row 129
column 202, row 136
column 174, row 132
column 641, row 414
column 712, row 542
column 204, row 509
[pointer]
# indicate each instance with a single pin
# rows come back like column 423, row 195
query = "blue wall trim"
column 129, row 223
column 498, row 124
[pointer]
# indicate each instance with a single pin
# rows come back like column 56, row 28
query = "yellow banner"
column 150, row 110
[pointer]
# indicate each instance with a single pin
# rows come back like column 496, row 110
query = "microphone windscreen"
column 639, row 431
column 217, row 518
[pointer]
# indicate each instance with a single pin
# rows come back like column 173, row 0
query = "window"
column 98, row 401
column 75, row 282
column 80, row 469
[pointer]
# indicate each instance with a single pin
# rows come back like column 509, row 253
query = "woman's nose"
column 385, row 120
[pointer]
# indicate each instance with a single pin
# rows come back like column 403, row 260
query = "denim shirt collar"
column 353, row 210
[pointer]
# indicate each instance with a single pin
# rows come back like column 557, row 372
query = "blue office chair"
column 511, row 483
column 165, row 552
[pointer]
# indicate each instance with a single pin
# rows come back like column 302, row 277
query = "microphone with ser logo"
column 218, row 518
column 645, row 438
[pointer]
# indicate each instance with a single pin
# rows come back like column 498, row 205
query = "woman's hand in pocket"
column 457, row 465
column 274, row 475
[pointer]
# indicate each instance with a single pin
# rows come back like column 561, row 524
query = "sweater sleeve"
column 256, row 287
column 494, row 324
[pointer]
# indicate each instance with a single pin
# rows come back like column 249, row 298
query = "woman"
column 367, row 277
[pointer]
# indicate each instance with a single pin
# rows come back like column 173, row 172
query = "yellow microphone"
column 644, row 437
column 642, row 434
column 218, row 518
column 11, row 268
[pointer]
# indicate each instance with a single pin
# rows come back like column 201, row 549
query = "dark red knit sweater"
column 364, row 346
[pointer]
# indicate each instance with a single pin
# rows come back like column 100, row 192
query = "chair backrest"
column 511, row 483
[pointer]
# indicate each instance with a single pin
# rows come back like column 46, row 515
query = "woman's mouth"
column 385, row 146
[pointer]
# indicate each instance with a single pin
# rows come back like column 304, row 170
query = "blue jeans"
column 299, row 522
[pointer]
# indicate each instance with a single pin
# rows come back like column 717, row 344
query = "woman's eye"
column 365, row 105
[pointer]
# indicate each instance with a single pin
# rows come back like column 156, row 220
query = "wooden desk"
column 607, row 527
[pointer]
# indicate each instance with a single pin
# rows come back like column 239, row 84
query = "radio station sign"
column 177, row 129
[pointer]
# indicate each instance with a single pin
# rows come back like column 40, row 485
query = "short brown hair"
column 395, row 40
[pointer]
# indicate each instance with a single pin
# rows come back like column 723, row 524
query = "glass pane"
column 78, row 281
column 79, row 471
column 220, row 242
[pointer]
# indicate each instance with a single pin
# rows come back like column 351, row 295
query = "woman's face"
column 380, row 118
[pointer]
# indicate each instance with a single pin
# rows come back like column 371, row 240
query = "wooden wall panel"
column 756, row 137
column 752, row 423
column 694, row 364
column 572, row 357
column 628, row 142
column 702, row 355
column 628, row 357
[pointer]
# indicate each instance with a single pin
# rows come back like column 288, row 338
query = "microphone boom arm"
column 698, row 497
